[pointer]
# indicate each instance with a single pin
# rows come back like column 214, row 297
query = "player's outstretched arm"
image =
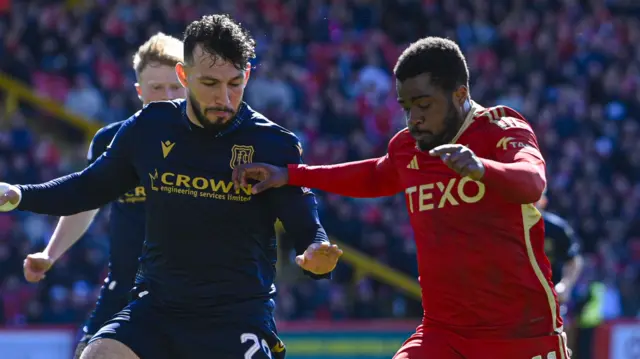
column 375, row 177
column 105, row 180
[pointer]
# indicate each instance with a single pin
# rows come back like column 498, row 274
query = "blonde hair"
column 160, row 49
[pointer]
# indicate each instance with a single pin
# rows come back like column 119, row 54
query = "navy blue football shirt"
column 207, row 245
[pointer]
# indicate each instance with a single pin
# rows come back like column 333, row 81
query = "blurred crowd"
column 324, row 71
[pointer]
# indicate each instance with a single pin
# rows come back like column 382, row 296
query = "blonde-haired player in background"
column 154, row 64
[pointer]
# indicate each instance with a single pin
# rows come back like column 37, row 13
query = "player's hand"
column 268, row 176
column 9, row 197
column 319, row 258
column 460, row 159
column 35, row 266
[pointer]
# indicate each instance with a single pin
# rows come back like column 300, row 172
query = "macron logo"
column 413, row 164
column 167, row 146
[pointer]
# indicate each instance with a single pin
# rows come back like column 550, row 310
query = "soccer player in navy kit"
column 209, row 254
column 154, row 64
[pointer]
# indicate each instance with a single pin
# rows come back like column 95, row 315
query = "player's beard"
column 453, row 121
column 217, row 125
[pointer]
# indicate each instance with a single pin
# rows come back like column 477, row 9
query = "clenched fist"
column 35, row 266
column 319, row 258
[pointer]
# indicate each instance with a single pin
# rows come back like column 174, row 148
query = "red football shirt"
column 480, row 244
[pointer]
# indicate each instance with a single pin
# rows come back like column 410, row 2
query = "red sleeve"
column 375, row 177
column 518, row 171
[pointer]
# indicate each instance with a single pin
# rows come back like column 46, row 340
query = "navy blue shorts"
column 113, row 297
column 156, row 334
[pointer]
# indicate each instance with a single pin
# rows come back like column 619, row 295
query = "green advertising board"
column 343, row 344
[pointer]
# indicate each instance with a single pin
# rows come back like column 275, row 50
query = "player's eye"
column 423, row 105
column 235, row 84
column 209, row 84
column 157, row 88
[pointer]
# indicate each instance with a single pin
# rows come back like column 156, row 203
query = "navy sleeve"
column 573, row 249
column 110, row 176
column 297, row 209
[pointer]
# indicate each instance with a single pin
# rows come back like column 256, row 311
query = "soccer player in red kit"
column 471, row 176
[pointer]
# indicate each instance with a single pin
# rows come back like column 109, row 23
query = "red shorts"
column 432, row 343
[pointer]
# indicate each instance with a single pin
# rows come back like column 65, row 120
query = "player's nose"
column 222, row 98
column 415, row 120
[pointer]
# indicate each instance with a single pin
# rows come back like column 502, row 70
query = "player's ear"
column 461, row 97
column 247, row 72
column 138, row 91
column 182, row 74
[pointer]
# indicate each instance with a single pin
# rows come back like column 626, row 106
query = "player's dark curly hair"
column 437, row 56
column 222, row 37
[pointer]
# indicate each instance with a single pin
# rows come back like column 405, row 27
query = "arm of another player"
column 375, row 177
column 568, row 249
column 570, row 272
column 110, row 176
column 296, row 208
column 66, row 234
column 518, row 171
column 69, row 228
